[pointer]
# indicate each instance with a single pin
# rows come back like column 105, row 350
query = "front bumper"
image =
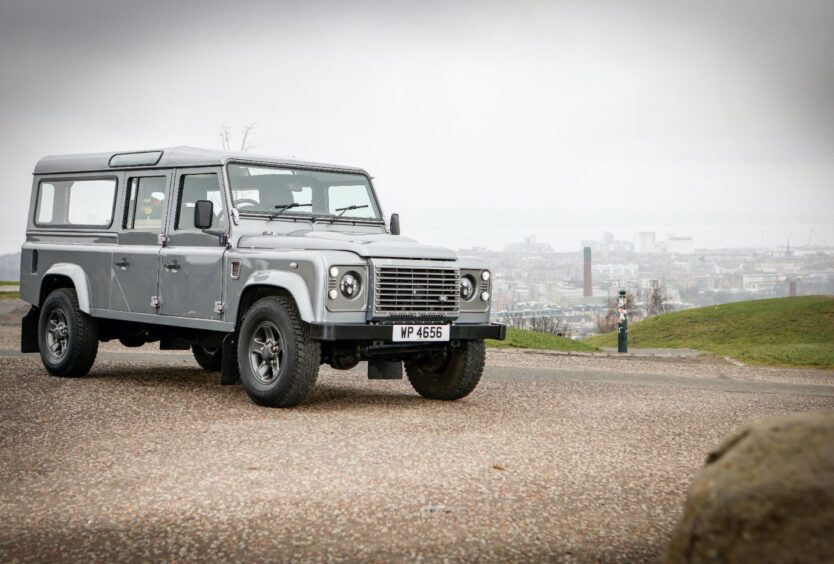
column 380, row 332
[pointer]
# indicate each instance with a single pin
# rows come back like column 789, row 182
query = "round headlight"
column 467, row 287
column 485, row 275
column 350, row 285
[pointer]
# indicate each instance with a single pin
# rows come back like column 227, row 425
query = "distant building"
column 680, row 245
column 644, row 242
column 529, row 247
column 616, row 271
column 763, row 282
column 587, row 283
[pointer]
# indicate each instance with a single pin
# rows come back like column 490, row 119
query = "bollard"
column 622, row 324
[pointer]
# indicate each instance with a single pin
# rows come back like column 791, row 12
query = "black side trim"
column 29, row 331
column 230, row 373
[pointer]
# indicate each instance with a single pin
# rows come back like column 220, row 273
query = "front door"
column 191, row 269
column 134, row 282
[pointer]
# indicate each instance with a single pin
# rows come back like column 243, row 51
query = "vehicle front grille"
column 400, row 290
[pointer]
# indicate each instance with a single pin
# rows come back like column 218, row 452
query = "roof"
column 172, row 157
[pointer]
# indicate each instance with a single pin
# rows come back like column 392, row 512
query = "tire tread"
column 305, row 370
column 457, row 381
column 84, row 347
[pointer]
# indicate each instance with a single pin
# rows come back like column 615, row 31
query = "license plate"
column 411, row 333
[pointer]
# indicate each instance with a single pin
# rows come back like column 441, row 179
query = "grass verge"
column 521, row 339
column 783, row 331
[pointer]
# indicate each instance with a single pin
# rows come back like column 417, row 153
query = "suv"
column 264, row 267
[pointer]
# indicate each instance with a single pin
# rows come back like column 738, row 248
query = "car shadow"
column 342, row 391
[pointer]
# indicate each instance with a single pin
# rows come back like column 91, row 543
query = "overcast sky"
column 480, row 122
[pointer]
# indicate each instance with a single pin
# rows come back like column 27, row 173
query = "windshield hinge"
column 162, row 239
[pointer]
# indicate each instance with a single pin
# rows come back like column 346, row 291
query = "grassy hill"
column 521, row 339
column 788, row 331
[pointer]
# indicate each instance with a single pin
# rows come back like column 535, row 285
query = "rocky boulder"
column 765, row 495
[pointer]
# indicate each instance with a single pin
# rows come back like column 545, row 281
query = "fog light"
column 334, row 272
column 333, row 294
column 484, row 296
column 485, row 275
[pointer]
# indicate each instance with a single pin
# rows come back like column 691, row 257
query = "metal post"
column 622, row 324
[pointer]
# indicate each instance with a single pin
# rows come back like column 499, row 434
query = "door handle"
column 122, row 263
column 173, row 266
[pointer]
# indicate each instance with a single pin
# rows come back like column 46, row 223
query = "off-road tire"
column 208, row 359
column 456, row 379
column 301, row 354
column 82, row 338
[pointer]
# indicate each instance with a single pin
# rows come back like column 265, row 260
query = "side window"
column 194, row 187
column 87, row 203
column 144, row 203
column 340, row 197
column 46, row 203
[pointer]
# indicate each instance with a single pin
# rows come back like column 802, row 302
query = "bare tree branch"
column 608, row 322
column 657, row 299
column 247, row 130
column 225, row 136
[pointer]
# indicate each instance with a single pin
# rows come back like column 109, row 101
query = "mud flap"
column 29, row 331
column 229, row 372
column 385, row 370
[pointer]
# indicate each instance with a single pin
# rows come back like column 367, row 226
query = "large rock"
column 765, row 495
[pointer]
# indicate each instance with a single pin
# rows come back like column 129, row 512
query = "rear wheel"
column 209, row 358
column 453, row 379
column 278, row 361
column 67, row 337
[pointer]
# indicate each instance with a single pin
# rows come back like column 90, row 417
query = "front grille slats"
column 402, row 290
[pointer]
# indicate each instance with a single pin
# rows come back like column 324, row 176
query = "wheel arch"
column 271, row 283
column 66, row 275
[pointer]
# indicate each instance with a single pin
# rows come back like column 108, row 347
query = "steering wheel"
column 246, row 202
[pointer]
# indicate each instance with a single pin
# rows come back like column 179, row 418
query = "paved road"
column 568, row 458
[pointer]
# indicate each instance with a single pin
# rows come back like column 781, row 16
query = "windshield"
column 275, row 191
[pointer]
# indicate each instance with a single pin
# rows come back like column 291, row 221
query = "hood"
column 370, row 245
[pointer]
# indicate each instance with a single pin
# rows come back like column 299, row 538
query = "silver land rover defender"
column 264, row 267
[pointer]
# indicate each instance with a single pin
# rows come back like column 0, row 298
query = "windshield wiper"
column 285, row 207
column 343, row 210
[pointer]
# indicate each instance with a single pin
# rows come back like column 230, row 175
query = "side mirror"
column 203, row 214
column 395, row 224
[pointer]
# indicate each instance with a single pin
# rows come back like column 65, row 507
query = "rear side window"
column 83, row 202
column 145, row 203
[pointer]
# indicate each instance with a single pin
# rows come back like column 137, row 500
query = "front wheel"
column 67, row 337
column 278, row 361
column 453, row 379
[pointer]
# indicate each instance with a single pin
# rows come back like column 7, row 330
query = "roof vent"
column 144, row 158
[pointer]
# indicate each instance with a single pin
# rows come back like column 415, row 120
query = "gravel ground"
column 552, row 458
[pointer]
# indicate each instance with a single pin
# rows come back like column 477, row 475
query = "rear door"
column 135, row 263
column 191, row 274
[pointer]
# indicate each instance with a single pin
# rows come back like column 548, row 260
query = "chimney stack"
column 587, row 287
